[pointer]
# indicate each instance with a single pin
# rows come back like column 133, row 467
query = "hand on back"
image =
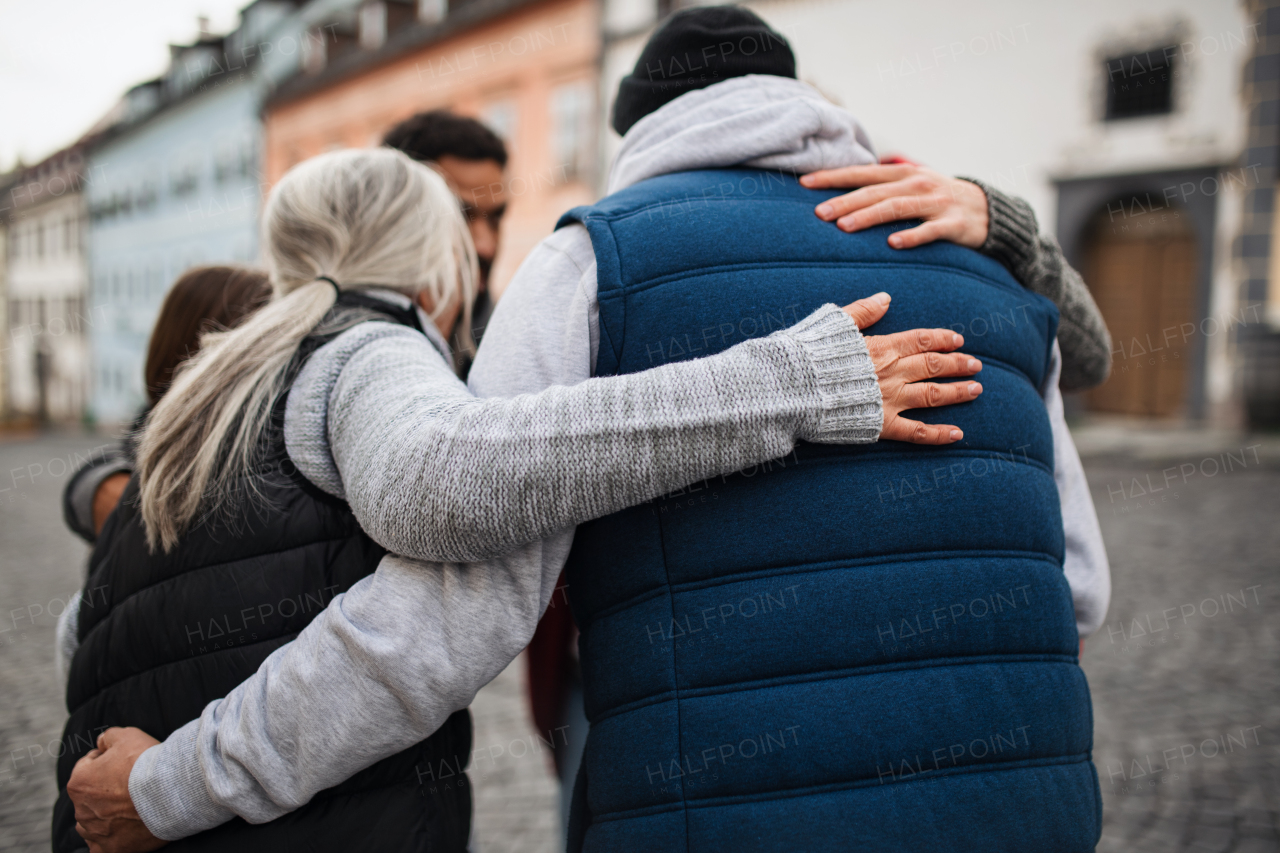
column 99, row 789
column 952, row 209
column 904, row 363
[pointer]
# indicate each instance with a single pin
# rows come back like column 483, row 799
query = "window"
column 571, row 110
column 1140, row 84
column 146, row 196
column 183, row 179
column 431, row 11
column 373, row 25
column 501, row 119
column 225, row 161
column 315, row 52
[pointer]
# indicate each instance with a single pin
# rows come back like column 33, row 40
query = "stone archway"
column 1196, row 192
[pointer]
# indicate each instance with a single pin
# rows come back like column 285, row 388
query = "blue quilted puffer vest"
column 854, row 647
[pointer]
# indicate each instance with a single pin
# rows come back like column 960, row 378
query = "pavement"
column 1185, row 673
column 41, row 564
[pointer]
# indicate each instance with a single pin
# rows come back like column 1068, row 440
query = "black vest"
column 162, row 635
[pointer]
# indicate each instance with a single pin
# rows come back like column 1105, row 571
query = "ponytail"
column 218, row 406
column 370, row 216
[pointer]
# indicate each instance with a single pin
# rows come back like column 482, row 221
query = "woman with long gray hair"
column 306, row 467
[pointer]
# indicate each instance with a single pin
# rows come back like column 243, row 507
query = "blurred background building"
column 176, row 182
column 1143, row 133
column 4, row 318
column 527, row 68
column 46, row 354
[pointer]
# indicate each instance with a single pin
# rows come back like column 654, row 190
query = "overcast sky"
column 63, row 63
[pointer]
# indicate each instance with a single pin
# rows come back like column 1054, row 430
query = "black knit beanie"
column 694, row 49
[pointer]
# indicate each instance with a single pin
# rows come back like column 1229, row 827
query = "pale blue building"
column 175, row 182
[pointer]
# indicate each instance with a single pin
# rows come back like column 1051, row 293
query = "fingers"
column 914, row 432
column 90, row 825
column 867, row 312
column 900, row 206
column 79, row 770
column 930, row 395
column 856, row 176
column 91, row 839
column 935, row 365
column 936, row 229
column 917, row 341
column 858, row 199
column 115, row 735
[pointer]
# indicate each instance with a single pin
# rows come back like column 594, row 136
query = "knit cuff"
column 846, row 378
column 1013, row 235
column 168, row 790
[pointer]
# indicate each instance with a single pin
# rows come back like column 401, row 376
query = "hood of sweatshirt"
column 758, row 121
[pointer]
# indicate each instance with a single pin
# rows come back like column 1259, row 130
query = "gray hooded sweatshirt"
column 434, row 473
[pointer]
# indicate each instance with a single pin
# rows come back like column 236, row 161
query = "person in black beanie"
column 697, row 48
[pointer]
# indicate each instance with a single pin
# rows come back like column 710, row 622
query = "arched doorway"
column 1140, row 263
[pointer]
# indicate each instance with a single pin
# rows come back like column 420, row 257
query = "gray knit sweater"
column 1036, row 260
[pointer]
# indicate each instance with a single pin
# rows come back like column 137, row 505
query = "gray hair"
column 361, row 217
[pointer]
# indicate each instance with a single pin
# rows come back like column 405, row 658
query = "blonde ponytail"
column 369, row 217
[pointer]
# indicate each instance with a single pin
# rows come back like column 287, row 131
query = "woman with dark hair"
column 203, row 299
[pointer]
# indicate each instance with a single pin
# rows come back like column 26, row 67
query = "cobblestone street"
column 1185, row 673
column 43, row 564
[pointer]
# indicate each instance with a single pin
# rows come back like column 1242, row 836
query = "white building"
column 1135, row 128
column 4, row 318
column 46, row 280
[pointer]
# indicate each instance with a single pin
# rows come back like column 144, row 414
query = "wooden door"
column 1141, row 268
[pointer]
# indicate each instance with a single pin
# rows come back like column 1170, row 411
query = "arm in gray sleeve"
column 431, row 472
column 1036, row 260
column 379, row 670
column 1085, row 562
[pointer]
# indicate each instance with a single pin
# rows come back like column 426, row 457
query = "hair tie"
column 337, row 291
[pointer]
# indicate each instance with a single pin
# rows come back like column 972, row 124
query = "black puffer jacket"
column 161, row 635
